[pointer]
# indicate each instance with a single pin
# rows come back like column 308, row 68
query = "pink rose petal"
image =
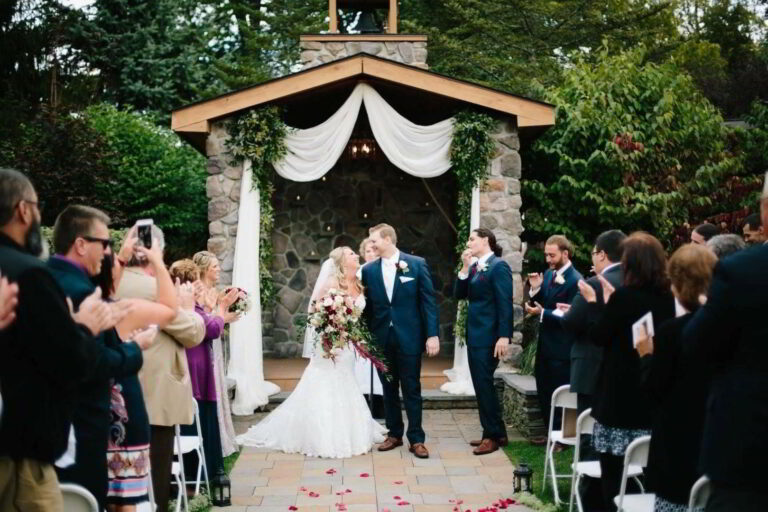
column 330, row 471
column 399, row 482
column 313, row 494
column 396, row 498
column 364, row 475
column 385, row 510
column 303, row 489
column 402, row 503
column 293, row 508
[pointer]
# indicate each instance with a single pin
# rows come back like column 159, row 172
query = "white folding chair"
column 562, row 398
column 637, row 454
column 189, row 444
column 78, row 499
column 585, row 424
column 699, row 494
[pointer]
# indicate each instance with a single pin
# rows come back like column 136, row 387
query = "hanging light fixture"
column 362, row 144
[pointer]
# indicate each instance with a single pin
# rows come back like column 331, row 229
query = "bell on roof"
column 367, row 20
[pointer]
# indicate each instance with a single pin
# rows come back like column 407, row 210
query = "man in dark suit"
column 730, row 330
column 585, row 355
column 559, row 284
column 487, row 285
column 402, row 315
column 80, row 239
column 44, row 355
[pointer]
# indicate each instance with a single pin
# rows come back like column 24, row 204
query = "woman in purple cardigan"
column 201, row 370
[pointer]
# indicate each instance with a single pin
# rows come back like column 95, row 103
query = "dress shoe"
column 390, row 443
column 559, row 447
column 502, row 442
column 539, row 441
column 487, row 446
column 419, row 450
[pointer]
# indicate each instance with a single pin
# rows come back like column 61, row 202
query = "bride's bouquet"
column 336, row 320
column 243, row 302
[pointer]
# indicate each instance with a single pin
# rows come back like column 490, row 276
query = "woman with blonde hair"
column 326, row 415
column 678, row 386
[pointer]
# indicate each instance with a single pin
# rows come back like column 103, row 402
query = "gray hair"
column 725, row 244
column 157, row 237
column 14, row 185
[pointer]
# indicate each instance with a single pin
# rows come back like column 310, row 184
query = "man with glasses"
column 44, row 353
column 80, row 242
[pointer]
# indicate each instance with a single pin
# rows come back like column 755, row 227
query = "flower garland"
column 259, row 135
column 471, row 151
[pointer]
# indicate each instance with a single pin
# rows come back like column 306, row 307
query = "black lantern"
column 523, row 478
column 221, row 491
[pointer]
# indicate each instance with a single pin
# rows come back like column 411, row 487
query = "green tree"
column 635, row 146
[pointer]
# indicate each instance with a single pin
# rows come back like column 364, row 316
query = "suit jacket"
column 554, row 341
column 44, row 355
column 586, row 356
column 731, row 329
column 490, row 314
column 412, row 312
column 165, row 377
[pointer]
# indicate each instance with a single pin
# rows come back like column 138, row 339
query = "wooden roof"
column 192, row 122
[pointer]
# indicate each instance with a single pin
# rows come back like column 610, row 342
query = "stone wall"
column 313, row 218
column 500, row 203
column 521, row 405
column 314, row 53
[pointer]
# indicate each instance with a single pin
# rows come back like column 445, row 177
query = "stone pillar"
column 500, row 203
column 223, row 191
column 316, row 52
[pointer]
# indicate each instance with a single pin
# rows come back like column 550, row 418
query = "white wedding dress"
column 325, row 416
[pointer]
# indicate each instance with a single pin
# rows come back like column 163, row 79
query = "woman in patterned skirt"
column 128, row 448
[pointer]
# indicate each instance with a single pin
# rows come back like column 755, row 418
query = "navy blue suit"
column 401, row 327
column 490, row 317
column 553, row 353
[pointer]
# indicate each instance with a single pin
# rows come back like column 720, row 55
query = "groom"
column 401, row 313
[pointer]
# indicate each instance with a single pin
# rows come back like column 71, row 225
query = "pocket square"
column 404, row 279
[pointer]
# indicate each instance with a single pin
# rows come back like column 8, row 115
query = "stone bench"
column 521, row 405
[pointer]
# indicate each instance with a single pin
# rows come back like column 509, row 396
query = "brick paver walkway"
column 393, row 481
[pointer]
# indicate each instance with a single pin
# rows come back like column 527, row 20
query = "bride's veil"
column 309, row 334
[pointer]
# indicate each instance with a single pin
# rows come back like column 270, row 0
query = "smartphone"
column 144, row 232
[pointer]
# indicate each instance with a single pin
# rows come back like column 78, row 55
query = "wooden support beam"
column 333, row 16
column 392, row 21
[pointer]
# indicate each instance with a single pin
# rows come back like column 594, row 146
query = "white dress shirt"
column 482, row 259
column 388, row 272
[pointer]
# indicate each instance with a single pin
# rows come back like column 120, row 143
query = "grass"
column 523, row 451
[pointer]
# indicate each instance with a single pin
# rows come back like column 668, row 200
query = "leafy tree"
column 635, row 146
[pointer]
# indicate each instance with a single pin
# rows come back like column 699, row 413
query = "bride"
column 326, row 415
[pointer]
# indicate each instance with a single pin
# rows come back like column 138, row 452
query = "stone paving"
column 393, row 481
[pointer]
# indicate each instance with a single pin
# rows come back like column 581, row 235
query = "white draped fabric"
column 246, row 364
column 421, row 151
column 459, row 379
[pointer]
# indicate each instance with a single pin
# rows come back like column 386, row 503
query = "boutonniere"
column 403, row 266
column 559, row 279
column 482, row 267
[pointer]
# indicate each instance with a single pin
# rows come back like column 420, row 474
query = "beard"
column 33, row 240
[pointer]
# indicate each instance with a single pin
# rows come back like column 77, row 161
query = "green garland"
column 259, row 135
column 471, row 151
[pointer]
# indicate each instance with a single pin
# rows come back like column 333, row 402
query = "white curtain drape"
column 246, row 364
column 421, row 151
column 459, row 379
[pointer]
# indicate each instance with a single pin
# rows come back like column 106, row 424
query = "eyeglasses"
column 596, row 252
column 39, row 203
column 105, row 242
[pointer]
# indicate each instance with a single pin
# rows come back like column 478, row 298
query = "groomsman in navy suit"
column 553, row 354
column 487, row 285
column 402, row 315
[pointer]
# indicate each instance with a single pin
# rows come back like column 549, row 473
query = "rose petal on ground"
column 364, row 475
column 396, row 498
column 330, row 471
column 313, row 494
column 292, row 507
column 402, row 503
column 399, row 482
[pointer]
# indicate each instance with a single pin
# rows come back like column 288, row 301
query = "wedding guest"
column 753, row 230
column 726, row 244
column 128, row 449
column 678, row 386
column 553, row 353
column 44, row 355
column 208, row 264
column 731, row 330
column 622, row 410
column 703, row 232
column 9, row 297
column 80, row 242
column 363, row 367
column 164, row 377
column 201, row 370
column 487, row 285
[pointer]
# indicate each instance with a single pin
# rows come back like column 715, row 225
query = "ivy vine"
column 471, row 151
column 259, row 136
